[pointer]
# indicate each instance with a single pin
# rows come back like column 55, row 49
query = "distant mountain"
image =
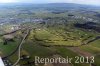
column 64, row 5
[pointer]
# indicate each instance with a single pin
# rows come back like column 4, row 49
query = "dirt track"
column 80, row 52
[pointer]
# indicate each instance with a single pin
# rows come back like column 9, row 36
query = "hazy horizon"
column 86, row 2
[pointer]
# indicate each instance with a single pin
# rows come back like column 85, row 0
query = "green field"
column 52, row 31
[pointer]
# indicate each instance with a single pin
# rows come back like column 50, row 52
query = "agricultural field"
column 30, row 30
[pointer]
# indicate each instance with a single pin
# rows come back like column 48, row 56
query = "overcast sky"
column 90, row 2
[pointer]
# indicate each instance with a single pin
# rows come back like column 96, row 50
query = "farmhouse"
column 15, row 27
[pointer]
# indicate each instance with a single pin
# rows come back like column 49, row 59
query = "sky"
column 88, row 2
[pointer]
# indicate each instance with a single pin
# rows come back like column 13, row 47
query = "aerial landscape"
column 49, row 30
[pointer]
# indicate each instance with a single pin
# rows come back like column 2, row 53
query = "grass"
column 42, row 34
column 64, row 52
column 96, row 43
column 93, row 48
column 34, row 49
column 9, row 48
column 97, row 60
column 90, row 49
column 55, row 38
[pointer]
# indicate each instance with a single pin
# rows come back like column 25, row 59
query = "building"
column 15, row 27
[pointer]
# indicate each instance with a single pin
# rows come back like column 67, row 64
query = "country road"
column 19, row 48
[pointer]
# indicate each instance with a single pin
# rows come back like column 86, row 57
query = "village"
column 26, row 32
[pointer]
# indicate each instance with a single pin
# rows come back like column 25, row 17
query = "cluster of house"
column 15, row 27
column 85, row 18
column 16, row 20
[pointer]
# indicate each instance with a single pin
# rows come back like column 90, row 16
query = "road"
column 19, row 49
